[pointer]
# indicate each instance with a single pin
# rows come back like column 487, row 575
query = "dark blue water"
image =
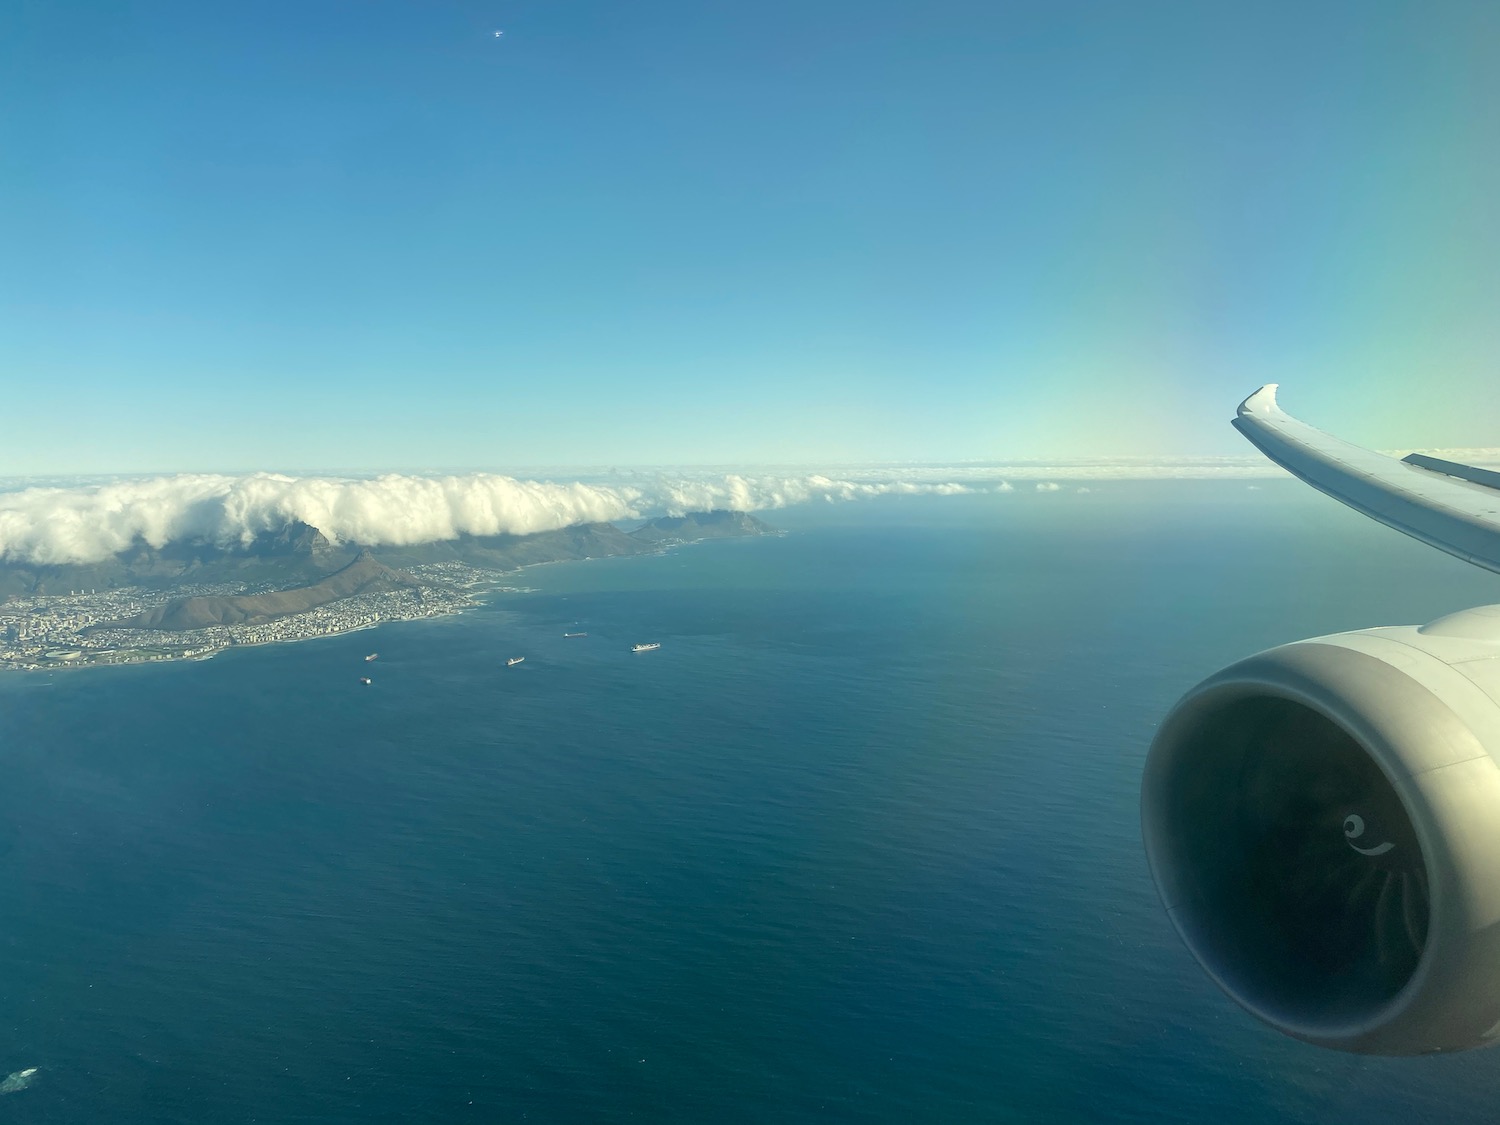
column 859, row 843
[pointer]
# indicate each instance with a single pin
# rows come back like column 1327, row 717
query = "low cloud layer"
column 56, row 522
column 51, row 525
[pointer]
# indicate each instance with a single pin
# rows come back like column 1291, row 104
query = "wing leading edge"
column 1455, row 508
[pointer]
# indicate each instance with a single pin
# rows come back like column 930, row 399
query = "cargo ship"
column 575, row 634
column 644, row 648
column 371, row 657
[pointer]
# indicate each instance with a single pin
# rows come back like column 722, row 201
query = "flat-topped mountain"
column 295, row 554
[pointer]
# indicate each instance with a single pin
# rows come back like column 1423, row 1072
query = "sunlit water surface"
column 859, row 843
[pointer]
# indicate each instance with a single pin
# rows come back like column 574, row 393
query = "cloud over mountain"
column 51, row 525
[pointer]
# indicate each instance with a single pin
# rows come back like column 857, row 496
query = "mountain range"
column 300, row 561
column 365, row 575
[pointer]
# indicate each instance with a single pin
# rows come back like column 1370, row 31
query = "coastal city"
column 86, row 627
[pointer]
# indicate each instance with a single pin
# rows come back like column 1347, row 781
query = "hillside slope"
column 365, row 575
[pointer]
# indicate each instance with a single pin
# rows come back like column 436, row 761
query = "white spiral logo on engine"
column 1354, row 828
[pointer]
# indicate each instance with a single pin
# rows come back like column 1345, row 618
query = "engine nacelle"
column 1323, row 823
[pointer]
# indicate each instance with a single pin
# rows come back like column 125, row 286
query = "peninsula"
column 192, row 599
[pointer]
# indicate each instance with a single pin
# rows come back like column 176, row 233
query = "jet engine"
column 1323, row 823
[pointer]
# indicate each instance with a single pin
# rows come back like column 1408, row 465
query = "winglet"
column 1262, row 401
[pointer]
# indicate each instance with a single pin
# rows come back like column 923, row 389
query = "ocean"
column 859, row 843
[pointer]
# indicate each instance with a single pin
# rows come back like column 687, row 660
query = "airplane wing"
column 1453, row 507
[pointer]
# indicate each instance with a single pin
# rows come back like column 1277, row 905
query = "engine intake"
column 1323, row 823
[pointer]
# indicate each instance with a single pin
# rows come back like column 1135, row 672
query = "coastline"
column 70, row 647
column 117, row 647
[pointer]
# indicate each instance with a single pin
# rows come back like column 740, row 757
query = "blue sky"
column 373, row 235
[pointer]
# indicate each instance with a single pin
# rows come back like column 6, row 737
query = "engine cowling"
column 1323, row 823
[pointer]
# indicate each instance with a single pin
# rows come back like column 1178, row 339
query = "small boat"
column 514, row 660
column 644, row 648
column 575, row 634
column 371, row 657
column 366, row 680
column 18, row 1081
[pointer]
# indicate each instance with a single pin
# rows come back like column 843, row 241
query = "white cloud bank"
column 83, row 521
column 51, row 525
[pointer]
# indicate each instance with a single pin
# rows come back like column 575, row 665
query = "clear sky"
column 369, row 235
